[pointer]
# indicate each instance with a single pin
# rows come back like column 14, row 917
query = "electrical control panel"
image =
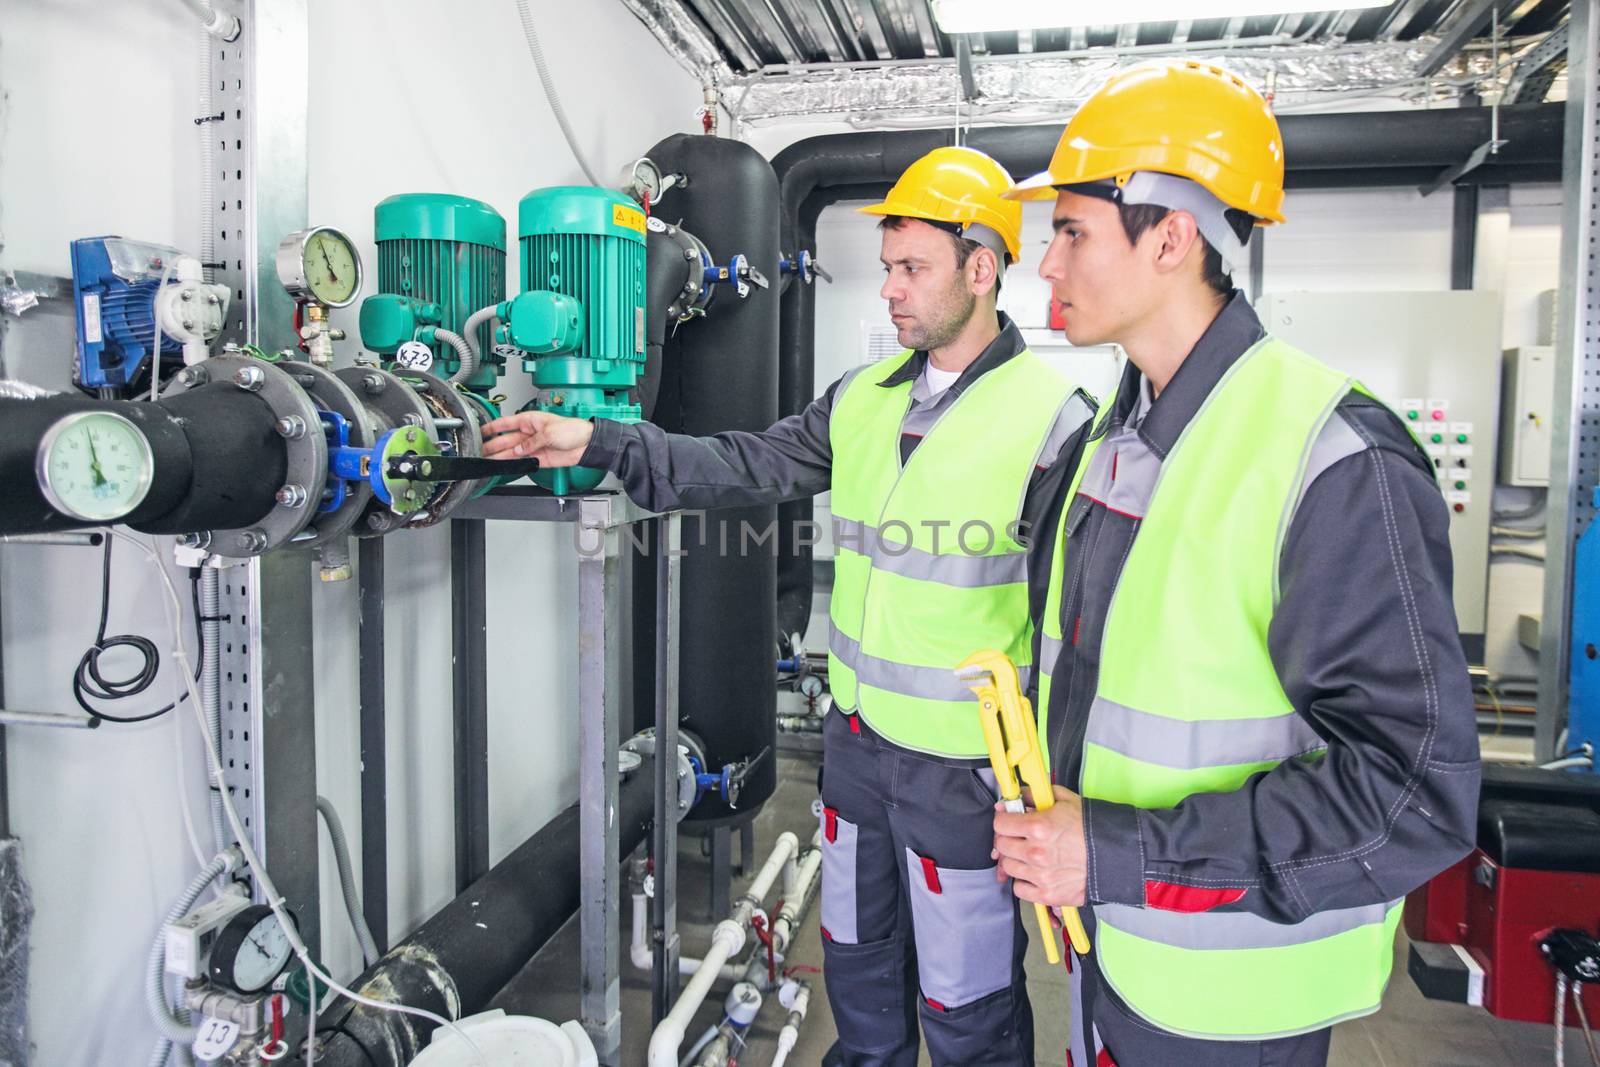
column 1528, row 399
column 1434, row 358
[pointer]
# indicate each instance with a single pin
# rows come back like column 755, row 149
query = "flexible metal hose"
column 470, row 332
column 464, row 352
column 537, row 52
column 172, row 1030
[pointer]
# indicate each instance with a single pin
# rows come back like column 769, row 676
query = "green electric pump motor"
column 440, row 258
column 580, row 316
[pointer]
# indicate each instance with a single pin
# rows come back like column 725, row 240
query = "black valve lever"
column 415, row 468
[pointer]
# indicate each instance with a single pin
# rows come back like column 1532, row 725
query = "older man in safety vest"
column 1253, row 690
column 941, row 460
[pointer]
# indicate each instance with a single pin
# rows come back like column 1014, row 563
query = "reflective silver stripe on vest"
column 1193, row 745
column 1234, row 929
column 1049, row 652
column 927, row 683
column 955, row 569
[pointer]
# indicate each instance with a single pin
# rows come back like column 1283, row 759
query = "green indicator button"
column 1438, row 438
column 1461, row 485
column 1461, row 438
column 1413, row 415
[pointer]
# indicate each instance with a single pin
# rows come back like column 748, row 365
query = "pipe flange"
column 306, row 454
column 467, row 441
column 332, row 394
column 391, row 403
column 695, row 294
column 643, row 743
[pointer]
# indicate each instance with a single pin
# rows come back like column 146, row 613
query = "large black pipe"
column 218, row 460
column 718, row 373
column 458, row 960
column 1367, row 149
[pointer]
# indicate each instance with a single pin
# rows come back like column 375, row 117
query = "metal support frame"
column 1464, row 237
column 469, row 620
column 1535, row 72
column 261, row 89
column 374, row 742
column 599, row 521
column 721, row 871
column 1469, row 21
column 664, row 832
column 1575, row 449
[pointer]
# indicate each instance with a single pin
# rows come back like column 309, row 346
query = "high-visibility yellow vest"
column 930, row 565
column 1188, row 701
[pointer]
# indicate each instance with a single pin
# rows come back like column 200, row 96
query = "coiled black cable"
column 89, row 682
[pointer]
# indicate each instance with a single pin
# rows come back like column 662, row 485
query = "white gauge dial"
column 95, row 466
column 251, row 950
column 320, row 264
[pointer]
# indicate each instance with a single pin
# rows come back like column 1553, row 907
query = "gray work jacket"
column 1365, row 643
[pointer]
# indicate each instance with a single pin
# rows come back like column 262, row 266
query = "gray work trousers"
column 914, row 924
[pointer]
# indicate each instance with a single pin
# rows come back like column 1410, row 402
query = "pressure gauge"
column 642, row 181
column 810, row 686
column 320, row 264
column 95, row 466
column 251, row 950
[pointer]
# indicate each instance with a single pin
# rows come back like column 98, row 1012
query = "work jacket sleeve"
column 1041, row 508
column 663, row 471
column 1364, row 640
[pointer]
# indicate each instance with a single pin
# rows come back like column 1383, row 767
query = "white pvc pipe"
column 791, row 1029
column 726, row 942
column 783, row 925
column 640, row 953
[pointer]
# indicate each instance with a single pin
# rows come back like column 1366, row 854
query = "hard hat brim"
column 1041, row 186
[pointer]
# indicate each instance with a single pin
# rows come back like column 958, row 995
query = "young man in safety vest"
column 938, row 460
column 1255, row 697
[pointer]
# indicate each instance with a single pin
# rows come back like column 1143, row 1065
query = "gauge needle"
column 261, row 948
column 322, row 246
column 94, row 463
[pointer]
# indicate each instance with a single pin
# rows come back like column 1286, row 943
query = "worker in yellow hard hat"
column 940, row 460
column 1252, row 686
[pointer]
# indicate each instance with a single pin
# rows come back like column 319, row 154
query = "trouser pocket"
column 873, row 1009
column 839, row 840
column 965, row 922
column 995, row 1031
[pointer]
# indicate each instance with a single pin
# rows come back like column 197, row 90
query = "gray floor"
column 1410, row 1031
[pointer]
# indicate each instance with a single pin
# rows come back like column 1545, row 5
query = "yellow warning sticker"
column 630, row 217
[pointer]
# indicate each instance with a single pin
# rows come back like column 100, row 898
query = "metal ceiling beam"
column 865, row 17
column 1536, row 71
column 969, row 84
column 1399, row 18
column 1470, row 19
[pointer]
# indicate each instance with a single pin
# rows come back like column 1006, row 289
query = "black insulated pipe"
column 457, row 961
column 719, row 373
column 218, row 460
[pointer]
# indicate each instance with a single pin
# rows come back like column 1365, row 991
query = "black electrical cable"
column 87, row 681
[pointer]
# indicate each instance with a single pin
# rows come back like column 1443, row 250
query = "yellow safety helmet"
column 1193, row 120
column 957, row 187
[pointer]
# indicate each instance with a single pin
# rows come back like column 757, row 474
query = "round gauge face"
column 647, row 180
column 95, row 466
column 251, row 950
column 331, row 268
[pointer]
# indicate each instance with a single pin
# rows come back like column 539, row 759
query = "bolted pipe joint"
column 250, row 379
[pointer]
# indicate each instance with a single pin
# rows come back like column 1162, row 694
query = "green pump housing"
column 580, row 318
column 440, row 258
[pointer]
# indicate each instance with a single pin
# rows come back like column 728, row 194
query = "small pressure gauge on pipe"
column 320, row 265
column 251, row 950
column 94, row 466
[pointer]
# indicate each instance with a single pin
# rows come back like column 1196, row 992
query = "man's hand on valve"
column 1043, row 852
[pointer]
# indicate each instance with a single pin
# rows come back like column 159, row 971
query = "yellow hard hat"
column 958, row 187
column 1194, row 120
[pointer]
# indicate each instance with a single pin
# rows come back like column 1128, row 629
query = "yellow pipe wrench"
column 1008, row 728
